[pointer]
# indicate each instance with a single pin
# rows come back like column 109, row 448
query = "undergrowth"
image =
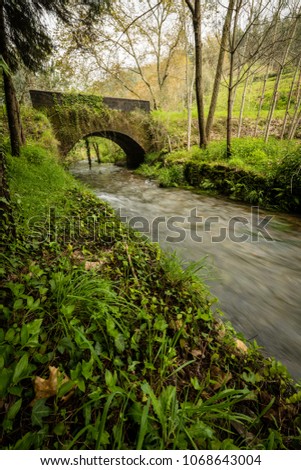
column 107, row 343
column 267, row 174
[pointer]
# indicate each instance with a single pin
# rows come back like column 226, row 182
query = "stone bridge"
column 73, row 117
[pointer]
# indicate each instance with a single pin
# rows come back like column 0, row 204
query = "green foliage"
column 38, row 129
column 257, row 172
column 141, row 362
column 36, row 182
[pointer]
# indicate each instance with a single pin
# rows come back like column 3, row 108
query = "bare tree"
column 289, row 99
column 196, row 14
column 219, row 67
column 283, row 62
column 136, row 46
column 297, row 112
column 251, row 27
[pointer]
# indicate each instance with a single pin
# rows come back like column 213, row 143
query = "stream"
column 254, row 256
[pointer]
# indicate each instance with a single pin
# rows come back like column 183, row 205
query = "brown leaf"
column 93, row 265
column 45, row 388
column 241, row 346
column 197, row 353
column 220, row 377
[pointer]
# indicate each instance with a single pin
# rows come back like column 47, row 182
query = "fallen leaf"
column 197, row 353
column 93, row 265
column 221, row 378
column 45, row 388
column 241, row 346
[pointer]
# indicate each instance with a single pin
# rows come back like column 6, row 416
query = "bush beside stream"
column 268, row 175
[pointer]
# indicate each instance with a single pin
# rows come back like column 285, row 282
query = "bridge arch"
column 126, row 122
column 134, row 152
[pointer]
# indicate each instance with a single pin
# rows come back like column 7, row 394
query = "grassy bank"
column 266, row 174
column 106, row 343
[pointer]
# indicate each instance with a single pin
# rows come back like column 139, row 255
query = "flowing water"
column 255, row 260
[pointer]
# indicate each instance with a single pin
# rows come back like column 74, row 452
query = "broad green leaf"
column 65, row 388
column 110, row 379
column 39, row 411
column 35, row 326
column 87, row 368
column 5, row 380
column 146, row 388
column 14, row 409
column 2, row 335
column 21, row 369
column 120, row 343
column 25, row 442
column 195, row 383
column 160, row 323
column 104, row 438
column 30, row 301
column 110, row 324
column 24, row 335
column 59, row 429
column 10, row 334
column 18, row 304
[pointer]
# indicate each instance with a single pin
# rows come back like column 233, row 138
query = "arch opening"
column 134, row 153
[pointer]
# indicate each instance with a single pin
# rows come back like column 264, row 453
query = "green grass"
column 175, row 122
column 261, row 173
column 37, row 182
column 139, row 360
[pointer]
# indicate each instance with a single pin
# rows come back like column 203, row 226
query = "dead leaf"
column 45, row 388
column 197, row 353
column 77, row 255
column 241, row 346
column 220, row 328
column 221, row 378
column 93, row 265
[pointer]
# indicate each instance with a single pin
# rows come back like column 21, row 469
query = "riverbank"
column 258, row 173
column 108, row 344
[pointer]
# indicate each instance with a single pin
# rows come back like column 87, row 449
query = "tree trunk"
column 296, row 116
column 243, row 100
column 277, row 84
column 7, row 224
column 262, row 98
column 88, row 152
column 189, row 107
column 289, row 100
column 294, row 126
column 231, row 85
column 12, row 106
column 219, row 68
column 230, row 108
column 197, row 29
column 97, row 152
column 13, row 116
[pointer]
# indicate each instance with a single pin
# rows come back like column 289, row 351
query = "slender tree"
column 282, row 64
column 97, row 151
column 219, row 67
column 7, row 225
column 196, row 14
column 136, row 48
column 289, row 99
column 88, row 150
